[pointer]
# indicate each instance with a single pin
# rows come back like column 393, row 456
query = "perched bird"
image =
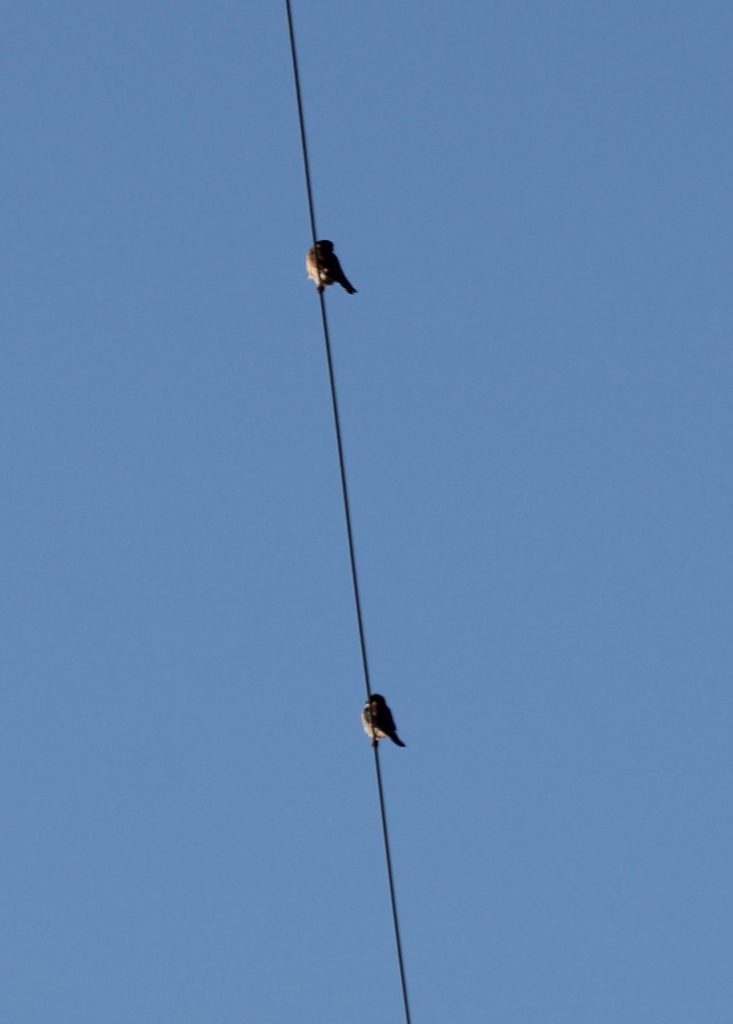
column 378, row 722
column 322, row 257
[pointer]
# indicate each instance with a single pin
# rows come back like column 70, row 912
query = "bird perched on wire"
column 321, row 257
column 378, row 722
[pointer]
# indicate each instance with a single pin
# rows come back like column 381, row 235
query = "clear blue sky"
column 534, row 201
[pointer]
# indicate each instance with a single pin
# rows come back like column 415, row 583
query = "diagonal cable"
column 347, row 512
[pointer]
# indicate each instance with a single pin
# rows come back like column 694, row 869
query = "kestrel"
column 378, row 722
column 321, row 256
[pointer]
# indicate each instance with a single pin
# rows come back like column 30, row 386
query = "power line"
column 347, row 511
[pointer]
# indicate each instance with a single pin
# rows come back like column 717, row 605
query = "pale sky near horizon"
column 534, row 203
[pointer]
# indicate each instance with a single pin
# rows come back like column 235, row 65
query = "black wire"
column 347, row 513
column 392, row 894
column 301, row 120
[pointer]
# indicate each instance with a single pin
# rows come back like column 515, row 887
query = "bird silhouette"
column 378, row 722
column 323, row 267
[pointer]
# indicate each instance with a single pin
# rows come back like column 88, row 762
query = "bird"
column 378, row 722
column 322, row 257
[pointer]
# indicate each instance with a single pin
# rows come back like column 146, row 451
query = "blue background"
column 534, row 201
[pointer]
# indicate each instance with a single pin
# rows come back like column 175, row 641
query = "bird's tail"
column 395, row 739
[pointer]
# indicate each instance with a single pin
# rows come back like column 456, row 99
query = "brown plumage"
column 321, row 257
column 378, row 722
